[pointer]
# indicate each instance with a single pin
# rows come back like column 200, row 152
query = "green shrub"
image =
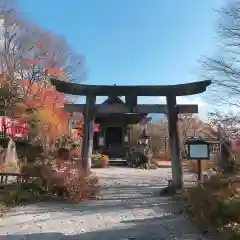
column 96, row 156
column 148, row 166
column 31, row 170
column 229, row 210
column 63, row 141
column 24, row 193
column 4, row 142
column 230, row 231
column 97, row 160
column 29, row 151
column 63, row 153
column 141, row 159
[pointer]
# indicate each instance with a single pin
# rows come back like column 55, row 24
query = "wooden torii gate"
column 131, row 93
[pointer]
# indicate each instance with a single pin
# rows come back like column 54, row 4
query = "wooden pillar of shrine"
column 88, row 131
column 177, row 177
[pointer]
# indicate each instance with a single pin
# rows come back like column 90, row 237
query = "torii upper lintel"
column 140, row 90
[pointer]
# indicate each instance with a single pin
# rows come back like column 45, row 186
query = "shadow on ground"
column 160, row 228
column 164, row 166
column 112, row 198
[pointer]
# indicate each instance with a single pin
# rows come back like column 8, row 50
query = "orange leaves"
column 52, row 125
column 46, row 93
column 32, row 86
column 25, row 82
column 38, row 45
column 50, row 104
column 54, row 71
column 30, row 61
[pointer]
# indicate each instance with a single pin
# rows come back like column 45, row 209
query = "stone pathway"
column 131, row 208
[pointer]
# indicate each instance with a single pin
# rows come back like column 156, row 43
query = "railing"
column 9, row 178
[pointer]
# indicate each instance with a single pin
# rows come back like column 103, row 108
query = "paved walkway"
column 131, row 208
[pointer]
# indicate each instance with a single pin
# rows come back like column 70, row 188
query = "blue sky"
column 134, row 41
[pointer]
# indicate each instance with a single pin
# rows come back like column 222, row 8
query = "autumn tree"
column 29, row 53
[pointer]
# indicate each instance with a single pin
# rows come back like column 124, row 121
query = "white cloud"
column 186, row 100
column 202, row 105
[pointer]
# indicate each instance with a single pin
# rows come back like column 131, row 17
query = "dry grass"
column 192, row 165
column 80, row 187
column 217, row 202
column 47, row 184
column 10, row 167
column 3, row 209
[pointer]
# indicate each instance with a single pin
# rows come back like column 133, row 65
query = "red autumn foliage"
column 74, row 185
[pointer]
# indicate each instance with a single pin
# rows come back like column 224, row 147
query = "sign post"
column 199, row 150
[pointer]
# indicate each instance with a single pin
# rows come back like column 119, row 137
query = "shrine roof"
column 132, row 118
column 112, row 100
column 128, row 119
column 140, row 90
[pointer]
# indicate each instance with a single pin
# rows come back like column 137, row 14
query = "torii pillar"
column 89, row 112
column 177, row 176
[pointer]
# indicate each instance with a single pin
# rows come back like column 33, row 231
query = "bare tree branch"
column 224, row 69
column 6, row 6
column 29, row 53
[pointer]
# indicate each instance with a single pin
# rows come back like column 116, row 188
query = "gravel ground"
column 131, row 208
